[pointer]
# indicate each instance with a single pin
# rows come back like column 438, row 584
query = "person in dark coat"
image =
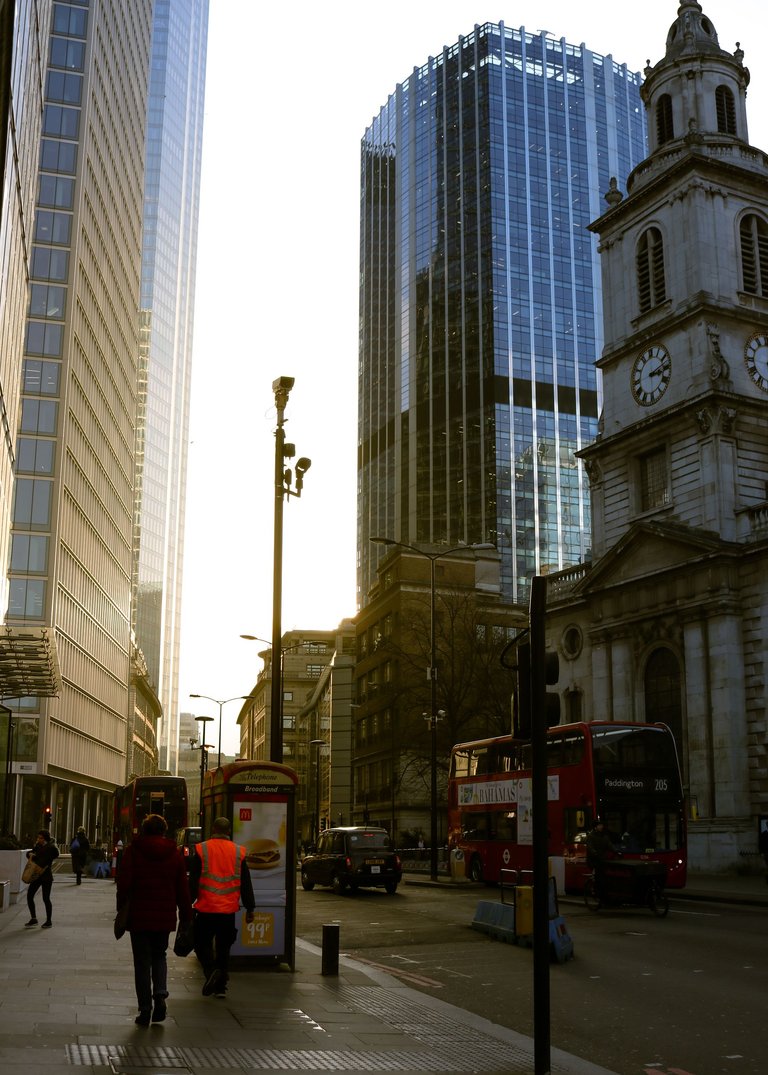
column 152, row 880
column 79, row 849
column 42, row 854
column 599, row 850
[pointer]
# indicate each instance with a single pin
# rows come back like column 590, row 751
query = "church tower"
column 673, row 611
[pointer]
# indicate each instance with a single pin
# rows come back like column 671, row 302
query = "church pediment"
column 650, row 548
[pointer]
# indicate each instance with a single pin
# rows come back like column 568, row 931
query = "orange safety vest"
column 219, row 888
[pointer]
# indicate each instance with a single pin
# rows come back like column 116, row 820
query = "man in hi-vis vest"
column 218, row 881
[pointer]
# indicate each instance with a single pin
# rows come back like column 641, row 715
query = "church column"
column 698, row 707
column 622, row 663
column 602, row 685
column 729, row 722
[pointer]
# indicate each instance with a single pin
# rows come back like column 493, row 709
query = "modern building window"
column 64, row 87
column 38, row 416
column 25, row 598
column 726, row 110
column 754, row 254
column 34, row 455
column 650, row 270
column 41, row 378
column 314, row 671
column 654, row 480
column 57, row 156
column 29, row 554
column 56, row 191
column 49, row 263
column 61, row 121
column 53, row 227
column 47, row 300
column 32, row 504
column 44, row 339
column 664, row 126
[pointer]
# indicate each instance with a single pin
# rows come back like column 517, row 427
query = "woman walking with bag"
column 42, row 855
column 152, row 883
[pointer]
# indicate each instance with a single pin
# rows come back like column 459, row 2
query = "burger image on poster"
column 260, row 827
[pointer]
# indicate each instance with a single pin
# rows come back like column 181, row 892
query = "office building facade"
column 171, row 205
column 480, row 298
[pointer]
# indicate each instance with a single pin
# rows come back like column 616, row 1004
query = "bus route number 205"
column 662, row 784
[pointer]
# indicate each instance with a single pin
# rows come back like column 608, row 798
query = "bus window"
column 506, row 828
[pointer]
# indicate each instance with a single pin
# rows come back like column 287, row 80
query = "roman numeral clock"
column 651, row 373
column 756, row 359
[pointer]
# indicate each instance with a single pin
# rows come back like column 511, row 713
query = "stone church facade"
column 669, row 620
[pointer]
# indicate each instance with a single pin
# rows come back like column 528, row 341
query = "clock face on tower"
column 651, row 372
column 756, row 359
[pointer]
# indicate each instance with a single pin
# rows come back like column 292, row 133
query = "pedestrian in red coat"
column 152, row 880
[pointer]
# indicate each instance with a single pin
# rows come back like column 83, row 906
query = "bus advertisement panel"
column 628, row 774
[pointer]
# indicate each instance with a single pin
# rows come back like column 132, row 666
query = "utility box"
column 524, row 910
column 259, row 798
column 5, row 895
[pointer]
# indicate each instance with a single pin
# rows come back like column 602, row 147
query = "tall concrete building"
column 73, row 512
column 480, row 303
column 171, row 205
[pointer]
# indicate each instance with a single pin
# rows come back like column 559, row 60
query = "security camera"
column 284, row 384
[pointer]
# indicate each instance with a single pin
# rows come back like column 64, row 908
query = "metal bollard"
column 330, row 964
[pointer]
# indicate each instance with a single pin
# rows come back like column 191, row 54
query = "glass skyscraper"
column 171, row 206
column 480, row 312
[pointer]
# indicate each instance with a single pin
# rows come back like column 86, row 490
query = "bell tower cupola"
column 698, row 90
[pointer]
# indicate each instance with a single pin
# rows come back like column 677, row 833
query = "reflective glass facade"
column 171, row 205
column 480, row 313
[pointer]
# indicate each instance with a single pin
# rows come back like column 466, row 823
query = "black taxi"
column 352, row 857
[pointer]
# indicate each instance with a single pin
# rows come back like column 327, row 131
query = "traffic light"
column 47, row 815
column 522, row 710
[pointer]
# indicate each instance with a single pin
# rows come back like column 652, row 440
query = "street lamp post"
column 283, row 478
column 220, row 703
column 203, row 757
column 316, row 820
column 434, row 714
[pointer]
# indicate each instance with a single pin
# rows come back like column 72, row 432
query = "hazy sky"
column 288, row 99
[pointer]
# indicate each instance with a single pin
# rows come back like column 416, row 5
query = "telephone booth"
column 259, row 798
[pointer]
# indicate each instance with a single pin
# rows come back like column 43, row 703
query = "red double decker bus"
column 627, row 774
column 165, row 795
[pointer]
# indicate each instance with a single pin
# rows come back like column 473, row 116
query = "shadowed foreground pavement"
column 67, row 1002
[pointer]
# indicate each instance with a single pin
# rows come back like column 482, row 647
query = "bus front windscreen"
column 637, row 781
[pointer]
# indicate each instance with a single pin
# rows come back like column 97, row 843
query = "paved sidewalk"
column 67, row 1002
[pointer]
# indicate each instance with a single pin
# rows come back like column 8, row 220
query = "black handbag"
column 121, row 921
column 185, row 939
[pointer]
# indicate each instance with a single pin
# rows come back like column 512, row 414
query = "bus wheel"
column 476, row 869
column 658, row 902
column 591, row 902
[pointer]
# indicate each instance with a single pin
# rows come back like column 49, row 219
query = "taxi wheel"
column 306, row 884
column 338, row 884
column 390, row 888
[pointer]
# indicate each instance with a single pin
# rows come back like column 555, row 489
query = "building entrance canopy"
column 28, row 662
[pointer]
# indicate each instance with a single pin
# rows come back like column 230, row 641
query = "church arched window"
column 650, row 270
column 664, row 127
column 754, row 254
column 726, row 110
column 663, row 693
